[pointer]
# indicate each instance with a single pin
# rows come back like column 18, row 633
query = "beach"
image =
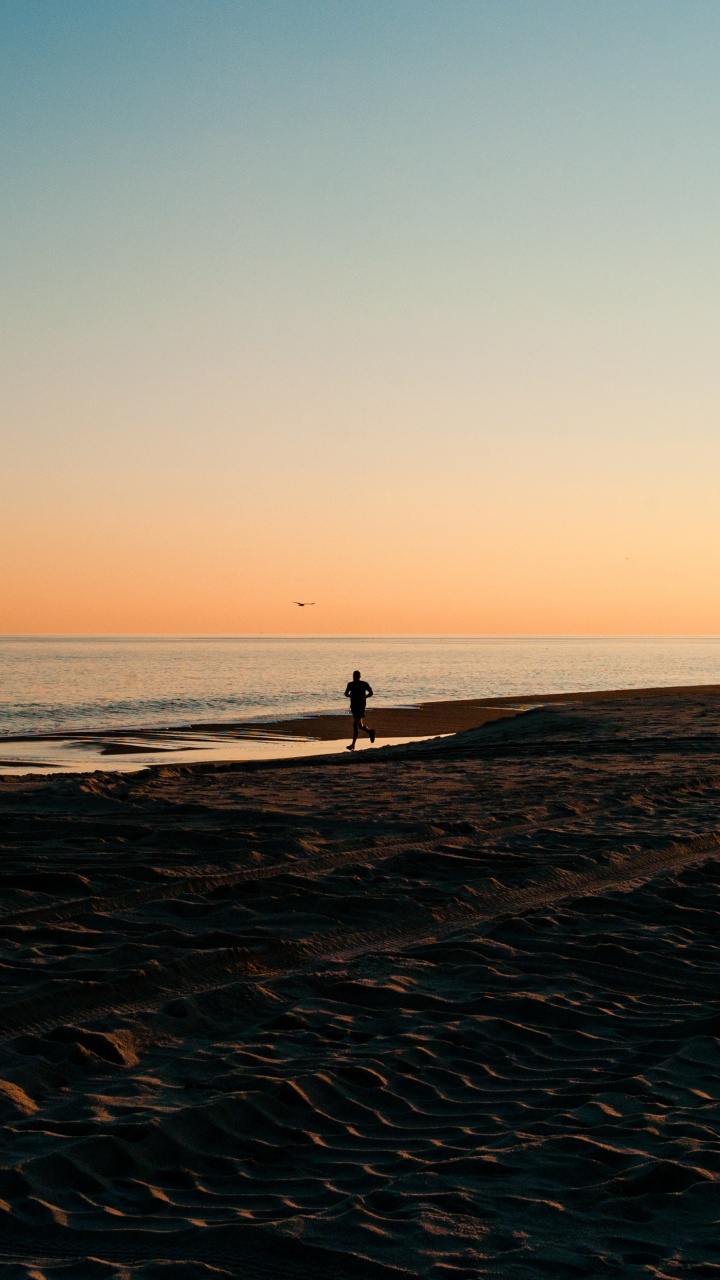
column 439, row 1009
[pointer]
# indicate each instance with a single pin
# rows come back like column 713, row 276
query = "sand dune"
column 442, row 1010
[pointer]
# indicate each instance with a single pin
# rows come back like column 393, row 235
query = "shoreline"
column 425, row 719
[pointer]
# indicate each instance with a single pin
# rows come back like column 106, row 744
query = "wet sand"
column 433, row 718
column 135, row 747
column 441, row 1010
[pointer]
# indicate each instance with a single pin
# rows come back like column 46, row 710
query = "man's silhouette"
column 358, row 691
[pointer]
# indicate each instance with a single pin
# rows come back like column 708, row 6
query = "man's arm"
column 368, row 690
column 347, row 692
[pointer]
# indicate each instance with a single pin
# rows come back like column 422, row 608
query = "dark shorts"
column 357, row 712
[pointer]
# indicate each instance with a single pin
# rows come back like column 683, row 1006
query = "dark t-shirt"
column 358, row 691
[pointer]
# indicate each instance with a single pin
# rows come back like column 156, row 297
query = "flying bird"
column 301, row 603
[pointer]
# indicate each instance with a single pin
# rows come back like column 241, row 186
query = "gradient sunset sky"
column 408, row 307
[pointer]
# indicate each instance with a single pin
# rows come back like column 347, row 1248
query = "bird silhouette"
column 301, row 603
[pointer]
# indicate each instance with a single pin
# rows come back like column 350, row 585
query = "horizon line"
column 369, row 635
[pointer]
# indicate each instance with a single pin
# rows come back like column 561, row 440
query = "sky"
column 407, row 308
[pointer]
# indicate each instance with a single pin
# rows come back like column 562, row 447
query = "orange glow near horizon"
column 476, row 512
column 476, row 556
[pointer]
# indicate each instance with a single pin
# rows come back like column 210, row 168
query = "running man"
column 358, row 691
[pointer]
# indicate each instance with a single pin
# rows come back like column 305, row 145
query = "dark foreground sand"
column 448, row 1010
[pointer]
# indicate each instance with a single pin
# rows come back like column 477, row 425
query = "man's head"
column 356, row 675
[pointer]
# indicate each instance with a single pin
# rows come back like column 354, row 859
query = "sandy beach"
column 440, row 1010
column 434, row 718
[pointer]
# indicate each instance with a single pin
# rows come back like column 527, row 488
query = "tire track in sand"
column 261, row 1253
column 145, row 988
column 207, row 881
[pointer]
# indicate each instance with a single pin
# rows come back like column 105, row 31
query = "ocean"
column 70, row 684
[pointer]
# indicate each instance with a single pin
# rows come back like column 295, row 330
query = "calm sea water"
column 59, row 684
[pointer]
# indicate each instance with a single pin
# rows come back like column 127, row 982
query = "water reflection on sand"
column 127, row 752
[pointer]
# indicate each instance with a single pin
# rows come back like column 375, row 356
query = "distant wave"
column 36, row 717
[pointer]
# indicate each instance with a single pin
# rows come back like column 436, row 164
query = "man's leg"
column 358, row 724
column 369, row 732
